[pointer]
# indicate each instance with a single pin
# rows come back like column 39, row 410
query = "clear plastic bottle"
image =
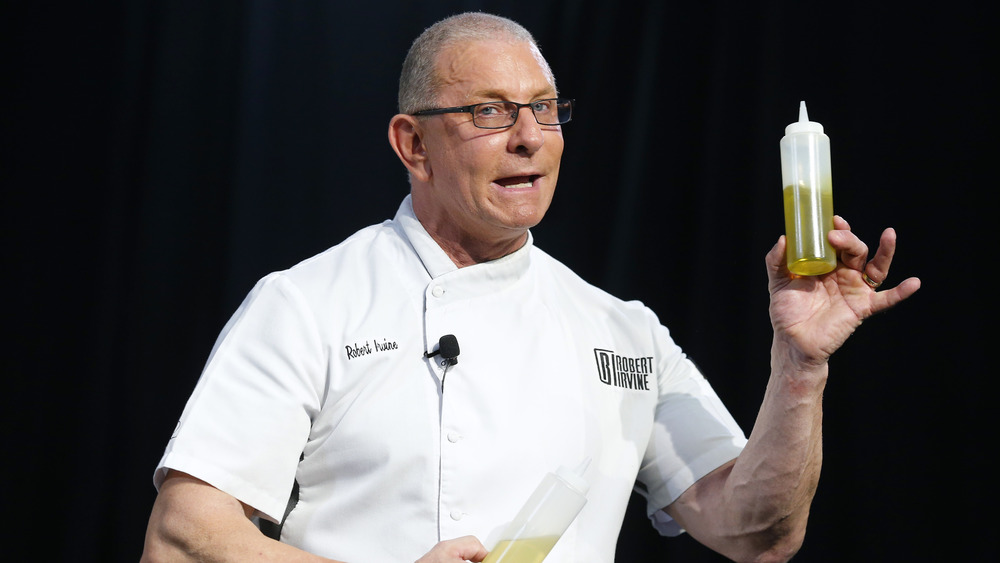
column 543, row 518
column 808, row 193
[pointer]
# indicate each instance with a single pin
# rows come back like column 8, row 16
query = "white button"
column 454, row 437
column 437, row 291
column 456, row 515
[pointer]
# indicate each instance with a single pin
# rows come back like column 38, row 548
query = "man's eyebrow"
column 494, row 95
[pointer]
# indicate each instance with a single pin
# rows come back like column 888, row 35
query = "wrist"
column 790, row 362
column 792, row 352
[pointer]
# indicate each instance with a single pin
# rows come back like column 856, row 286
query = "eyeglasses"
column 500, row 115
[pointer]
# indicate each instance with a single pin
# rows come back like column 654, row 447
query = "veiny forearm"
column 772, row 484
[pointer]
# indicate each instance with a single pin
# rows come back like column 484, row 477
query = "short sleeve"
column 693, row 434
column 246, row 423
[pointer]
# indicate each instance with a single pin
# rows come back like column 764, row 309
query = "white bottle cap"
column 574, row 478
column 803, row 125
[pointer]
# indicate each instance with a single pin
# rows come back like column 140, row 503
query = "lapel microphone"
column 447, row 349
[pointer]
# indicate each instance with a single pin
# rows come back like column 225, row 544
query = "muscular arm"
column 193, row 521
column 755, row 508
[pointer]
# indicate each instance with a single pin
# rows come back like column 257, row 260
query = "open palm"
column 817, row 314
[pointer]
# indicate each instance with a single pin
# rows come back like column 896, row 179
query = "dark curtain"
column 160, row 157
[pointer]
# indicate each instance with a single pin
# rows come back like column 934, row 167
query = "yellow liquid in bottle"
column 808, row 219
column 530, row 550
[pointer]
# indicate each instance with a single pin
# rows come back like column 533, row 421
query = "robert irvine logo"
column 622, row 371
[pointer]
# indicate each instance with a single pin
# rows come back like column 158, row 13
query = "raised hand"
column 816, row 314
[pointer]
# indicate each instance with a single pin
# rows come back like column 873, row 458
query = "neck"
column 466, row 243
column 469, row 251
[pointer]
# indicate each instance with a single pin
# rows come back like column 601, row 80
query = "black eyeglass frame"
column 471, row 109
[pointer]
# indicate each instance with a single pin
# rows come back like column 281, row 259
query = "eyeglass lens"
column 502, row 114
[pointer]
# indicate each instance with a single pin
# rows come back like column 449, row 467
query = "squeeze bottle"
column 543, row 518
column 808, row 192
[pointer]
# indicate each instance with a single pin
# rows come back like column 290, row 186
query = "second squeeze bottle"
column 543, row 518
column 808, row 194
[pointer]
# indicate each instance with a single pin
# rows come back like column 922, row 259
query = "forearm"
column 772, row 483
column 192, row 521
column 218, row 543
column 755, row 508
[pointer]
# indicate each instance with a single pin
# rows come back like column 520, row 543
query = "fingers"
column 471, row 549
column 882, row 300
column 466, row 548
column 853, row 252
column 840, row 223
column 777, row 267
column 775, row 258
column 877, row 270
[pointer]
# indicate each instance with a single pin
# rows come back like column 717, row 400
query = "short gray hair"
column 419, row 83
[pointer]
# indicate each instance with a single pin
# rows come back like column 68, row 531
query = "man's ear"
column 406, row 139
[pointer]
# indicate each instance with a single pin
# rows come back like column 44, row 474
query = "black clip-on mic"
column 448, row 349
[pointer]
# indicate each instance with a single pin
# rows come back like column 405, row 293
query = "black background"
column 160, row 157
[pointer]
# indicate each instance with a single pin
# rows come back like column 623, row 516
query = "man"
column 332, row 378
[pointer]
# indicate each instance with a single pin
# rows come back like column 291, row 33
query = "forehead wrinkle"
column 454, row 69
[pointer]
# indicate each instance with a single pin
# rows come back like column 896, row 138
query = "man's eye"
column 490, row 110
column 543, row 106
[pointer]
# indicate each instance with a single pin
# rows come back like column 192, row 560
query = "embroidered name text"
column 369, row 347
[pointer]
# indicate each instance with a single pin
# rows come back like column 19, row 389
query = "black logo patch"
column 622, row 371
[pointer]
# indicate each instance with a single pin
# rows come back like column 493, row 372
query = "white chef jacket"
column 321, row 377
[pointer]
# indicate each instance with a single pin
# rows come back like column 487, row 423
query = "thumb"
column 471, row 549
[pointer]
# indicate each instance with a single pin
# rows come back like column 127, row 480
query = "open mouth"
column 517, row 182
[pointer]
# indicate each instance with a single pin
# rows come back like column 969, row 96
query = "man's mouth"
column 517, row 182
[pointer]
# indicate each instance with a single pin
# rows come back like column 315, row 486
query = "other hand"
column 466, row 548
column 816, row 314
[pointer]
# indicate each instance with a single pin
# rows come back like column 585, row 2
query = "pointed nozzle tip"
column 803, row 125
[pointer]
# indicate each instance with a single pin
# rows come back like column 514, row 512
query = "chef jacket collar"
column 436, row 261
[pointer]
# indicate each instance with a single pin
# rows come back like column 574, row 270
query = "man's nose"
column 526, row 134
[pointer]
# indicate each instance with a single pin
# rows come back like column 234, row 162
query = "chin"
column 525, row 218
